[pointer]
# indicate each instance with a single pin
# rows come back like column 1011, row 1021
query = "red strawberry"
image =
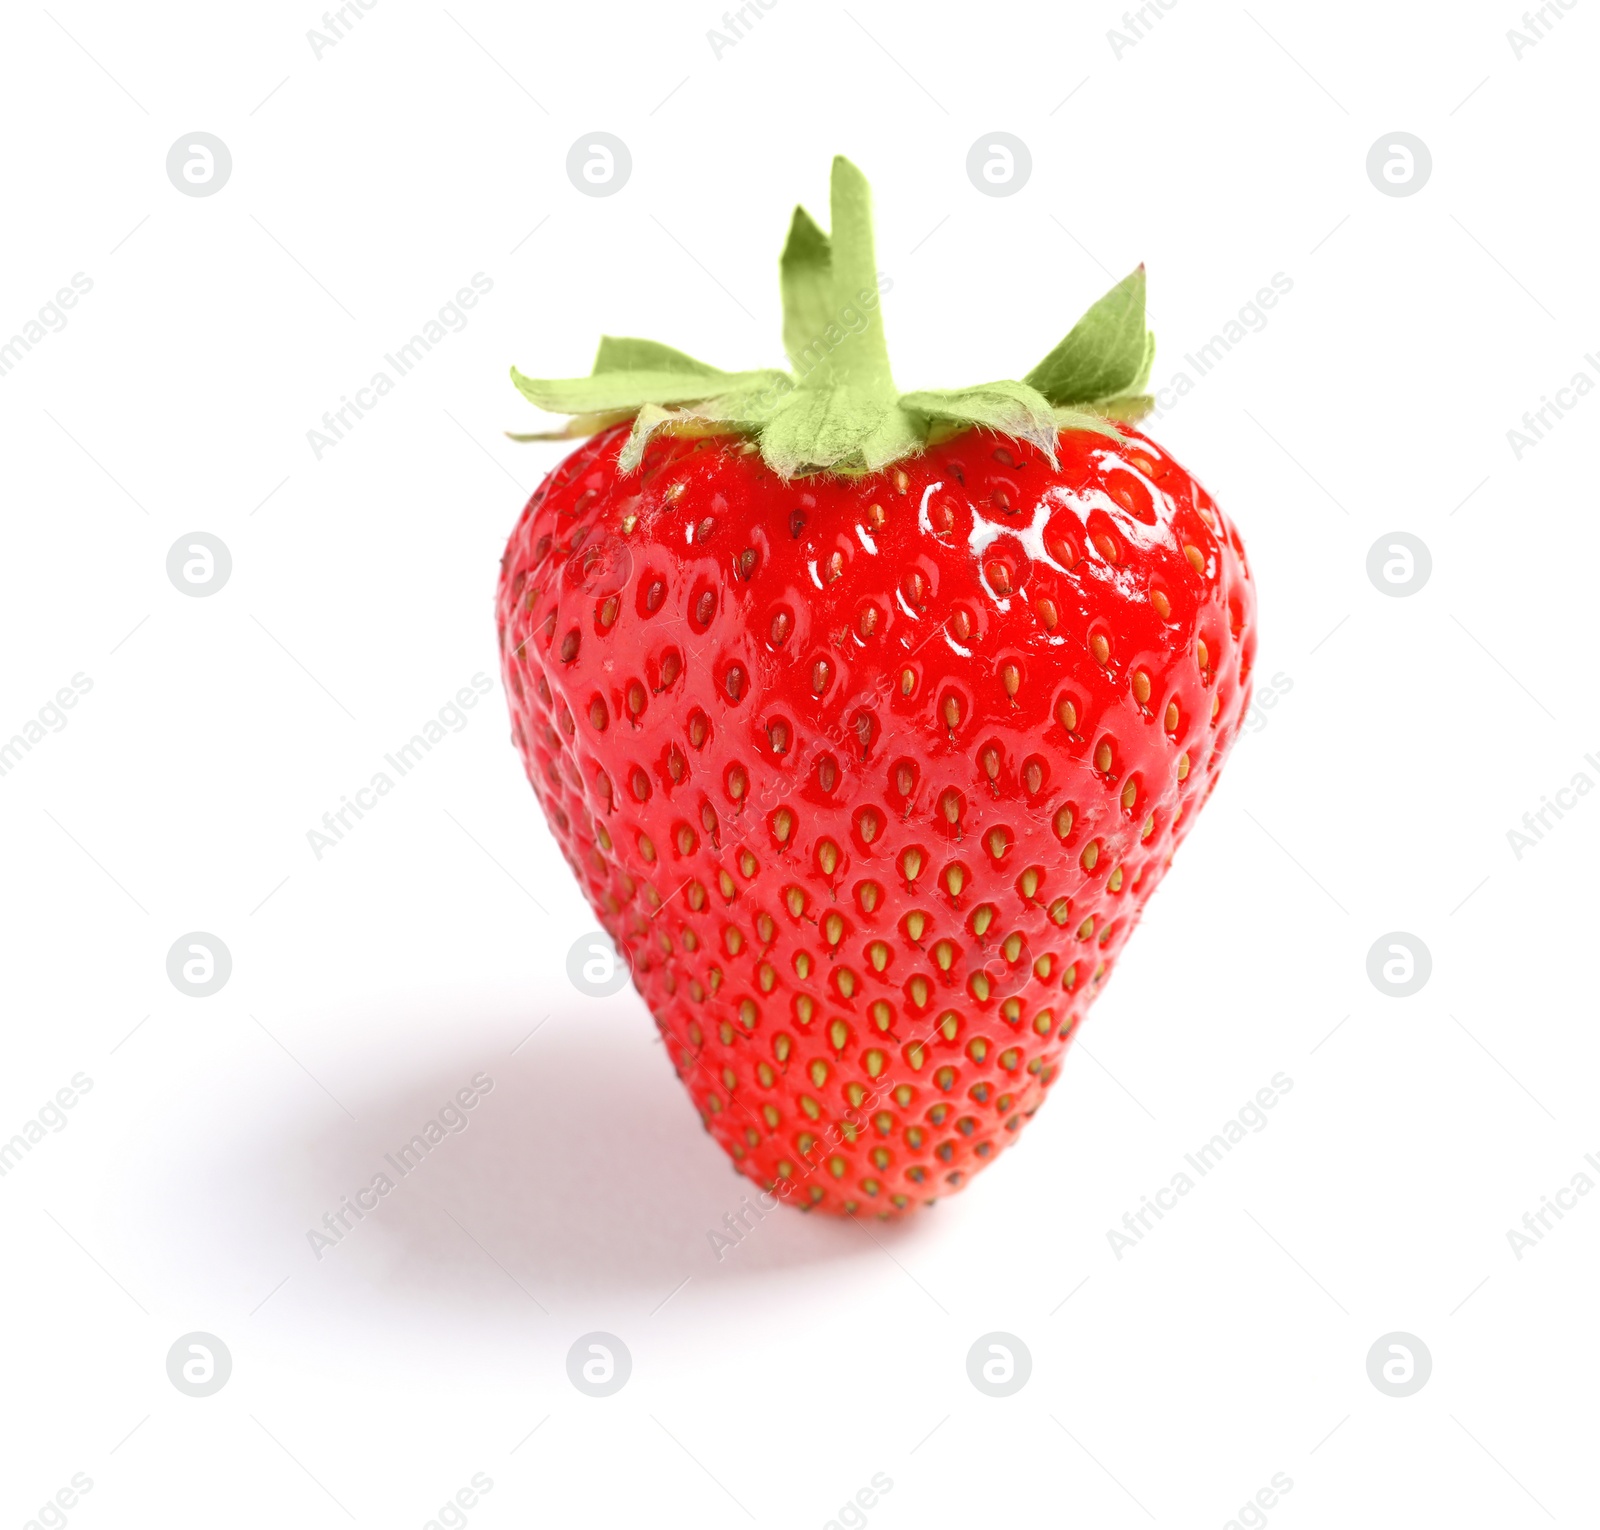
column 870, row 721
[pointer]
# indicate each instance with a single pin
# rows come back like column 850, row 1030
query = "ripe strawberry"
column 867, row 721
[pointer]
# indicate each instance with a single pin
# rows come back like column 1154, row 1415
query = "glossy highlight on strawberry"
column 870, row 774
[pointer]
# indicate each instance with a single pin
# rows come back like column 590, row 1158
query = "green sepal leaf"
column 844, row 414
column 842, row 426
column 750, row 408
column 646, row 423
column 859, row 360
column 1012, row 408
column 1127, row 410
column 805, row 277
column 833, row 318
column 617, row 354
column 1079, row 419
column 1108, row 353
column 745, row 412
column 898, row 434
column 840, row 411
column 816, row 428
column 578, row 426
column 632, row 389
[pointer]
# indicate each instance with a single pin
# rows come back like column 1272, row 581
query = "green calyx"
column 839, row 409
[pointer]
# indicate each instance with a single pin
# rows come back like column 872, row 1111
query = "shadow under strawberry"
column 531, row 1198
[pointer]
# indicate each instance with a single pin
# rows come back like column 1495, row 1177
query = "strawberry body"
column 870, row 776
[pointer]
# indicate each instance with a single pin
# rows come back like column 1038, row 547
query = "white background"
column 1168, row 1386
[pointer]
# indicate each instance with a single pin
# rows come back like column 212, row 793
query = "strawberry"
column 870, row 721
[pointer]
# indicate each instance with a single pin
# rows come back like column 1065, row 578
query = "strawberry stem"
column 860, row 361
column 840, row 409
